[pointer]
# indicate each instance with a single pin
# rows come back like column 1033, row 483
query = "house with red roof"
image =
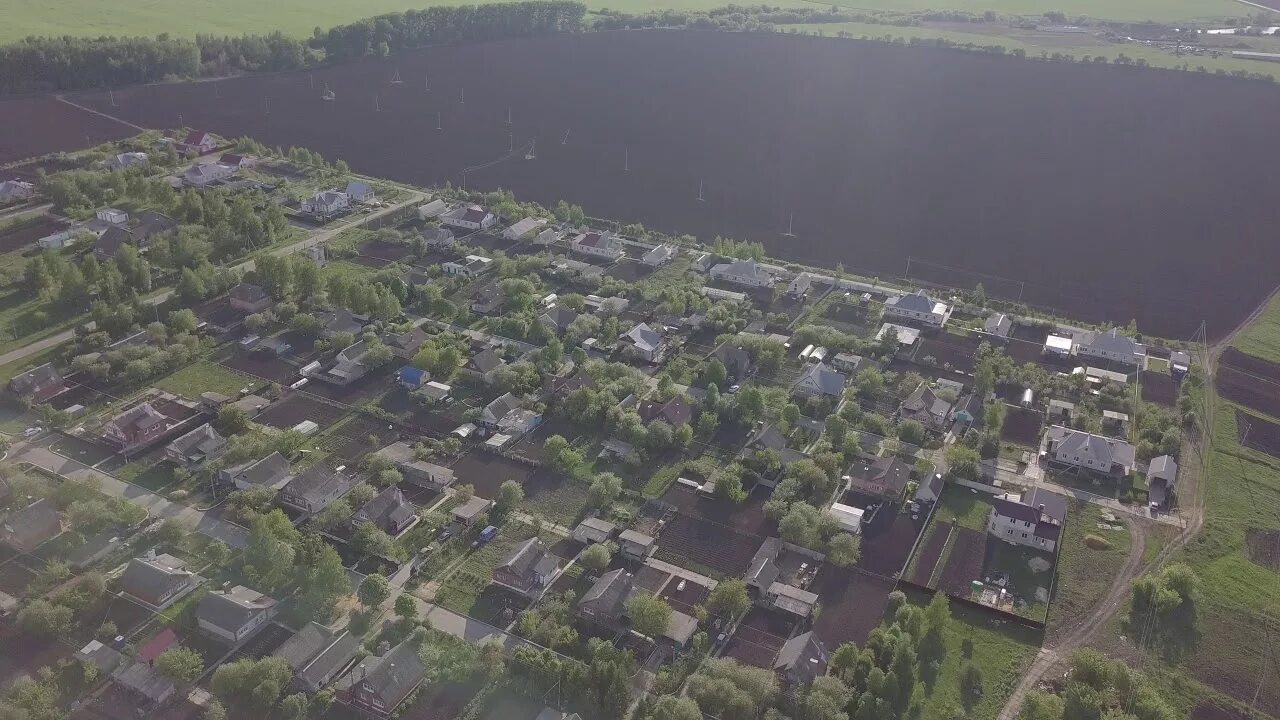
column 199, row 142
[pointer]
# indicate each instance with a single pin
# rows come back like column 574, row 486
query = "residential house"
column 497, row 410
column 406, row 345
column 528, row 569
column 438, row 237
column 136, row 428
column 469, row 218
column 235, row 160
column 636, row 545
column 605, row 246
column 412, row 378
column 250, row 298
column 763, row 570
column 660, row 255
column 675, row 412
column 800, row 284
column 341, row 320
column 605, row 603
column 144, row 682
column 998, row 325
column 317, row 655
column 315, row 488
column 469, row 267
column 467, row 513
column 925, row 407
column 389, row 511
column 736, row 360
column 644, row 343
column 800, row 660
column 206, row 174
column 1109, row 345
column 767, row 436
column 271, row 471
column 194, row 448
column 1179, row 363
column 379, row 683
column 157, row 581
column 233, row 615
column 547, row 237
column 1034, row 520
column 432, row 209
column 198, row 142
column 557, row 319
column 1162, row 476
column 28, row 528
column 1080, row 449
column 593, row 530
column 415, row 471
column 360, row 192
column 919, row 307
column 820, row 380
column 580, row 380
column 38, row 384
column 487, row 299
column 523, row 228
column 15, row 190
column 108, row 244
column 884, row 477
column 747, row 273
column 348, row 365
column 906, row 336
column 326, row 203
column 483, row 365
column 112, row 216
column 126, row 160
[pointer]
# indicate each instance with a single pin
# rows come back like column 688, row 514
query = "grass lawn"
column 1084, row 573
column 1262, row 337
column 1243, row 493
column 294, row 17
column 202, row 376
column 1033, row 43
column 1012, row 561
column 1002, row 651
column 561, row 506
column 968, row 508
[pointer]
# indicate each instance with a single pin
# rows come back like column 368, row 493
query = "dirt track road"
column 1081, row 635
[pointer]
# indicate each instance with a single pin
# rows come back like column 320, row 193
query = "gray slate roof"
column 392, row 676
column 388, row 508
column 230, row 610
column 33, row 524
column 913, row 302
column 150, row 577
column 610, row 591
column 316, row 652
column 827, row 380
column 268, row 471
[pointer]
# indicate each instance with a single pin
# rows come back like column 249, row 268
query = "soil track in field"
column 1264, row 548
column 1250, row 364
column 27, row 233
column 1003, row 168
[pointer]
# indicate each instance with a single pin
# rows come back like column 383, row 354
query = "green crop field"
column 294, row 17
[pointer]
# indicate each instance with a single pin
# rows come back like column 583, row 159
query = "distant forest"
column 67, row 63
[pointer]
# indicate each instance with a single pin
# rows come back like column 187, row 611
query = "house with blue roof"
column 412, row 378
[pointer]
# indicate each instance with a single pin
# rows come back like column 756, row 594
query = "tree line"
column 69, row 63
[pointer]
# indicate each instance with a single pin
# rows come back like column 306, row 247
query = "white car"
column 31, row 432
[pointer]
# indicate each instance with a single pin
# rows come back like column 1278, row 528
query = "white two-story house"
column 605, row 246
column 1034, row 519
column 747, row 273
column 1109, row 345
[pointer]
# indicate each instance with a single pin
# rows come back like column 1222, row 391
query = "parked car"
column 486, row 535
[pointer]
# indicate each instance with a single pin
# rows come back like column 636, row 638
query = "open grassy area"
column 294, row 17
column 202, row 377
column 968, row 508
column 1084, row 573
column 1034, row 43
column 1002, row 651
column 461, row 591
column 1243, row 494
column 1262, row 337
